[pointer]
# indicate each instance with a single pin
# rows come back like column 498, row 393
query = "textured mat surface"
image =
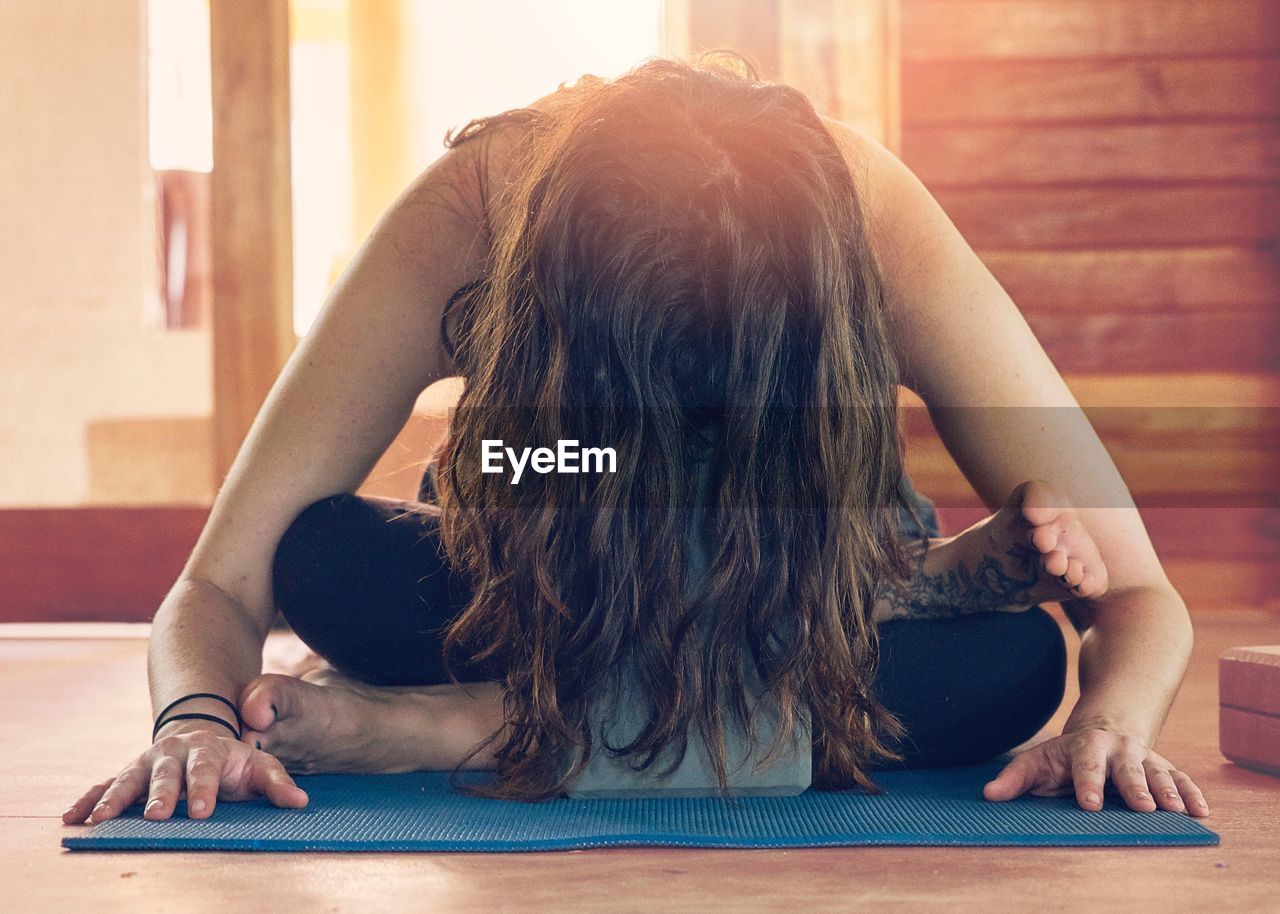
column 420, row 812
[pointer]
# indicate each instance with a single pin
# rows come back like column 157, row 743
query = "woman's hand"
column 211, row 767
column 1082, row 762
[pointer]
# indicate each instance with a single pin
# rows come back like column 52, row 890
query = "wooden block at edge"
column 1249, row 679
column 1249, row 711
column 1251, row 740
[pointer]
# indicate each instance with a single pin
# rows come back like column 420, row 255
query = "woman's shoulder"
column 899, row 212
column 879, row 175
column 481, row 160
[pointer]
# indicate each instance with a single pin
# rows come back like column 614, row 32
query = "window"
column 377, row 83
column 180, row 146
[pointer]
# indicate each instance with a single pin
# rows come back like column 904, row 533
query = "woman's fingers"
column 1130, row 779
column 269, row 778
column 79, row 810
column 1191, row 794
column 201, row 764
column 1089, row 772
column 166, row 785
column 120, row 793
column 204, row 774
column 1020, row 775
column 1163, row 788
column 1084, row 761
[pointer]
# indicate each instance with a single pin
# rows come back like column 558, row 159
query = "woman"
column 694, row 269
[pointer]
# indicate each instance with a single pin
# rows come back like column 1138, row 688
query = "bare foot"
column 312, row 728
column 328, row 722
column 1035, row 549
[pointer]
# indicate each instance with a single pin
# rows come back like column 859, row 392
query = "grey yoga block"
column 616, row 720
column 788, row 773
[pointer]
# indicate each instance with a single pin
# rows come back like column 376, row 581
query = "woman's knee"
column 308, row 556
column 1028, row 685
column 1046, row 665
column 971, row 687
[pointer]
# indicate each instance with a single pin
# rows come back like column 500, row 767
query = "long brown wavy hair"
column 681, row 272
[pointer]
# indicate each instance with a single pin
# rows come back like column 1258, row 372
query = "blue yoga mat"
column 420, row 812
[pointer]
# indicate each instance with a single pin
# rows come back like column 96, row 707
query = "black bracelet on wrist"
column 195, row 715
column 238, row 729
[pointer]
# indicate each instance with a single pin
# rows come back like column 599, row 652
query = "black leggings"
column 364, row 582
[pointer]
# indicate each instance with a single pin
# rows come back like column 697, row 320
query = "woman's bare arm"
column 343, row 396
column 1006, row 416
column 341, row 399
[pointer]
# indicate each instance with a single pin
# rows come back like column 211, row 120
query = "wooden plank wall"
column 1116, row 163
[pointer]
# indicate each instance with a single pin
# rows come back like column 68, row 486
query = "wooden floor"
column 72, row 711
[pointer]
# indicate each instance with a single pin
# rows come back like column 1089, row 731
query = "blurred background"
column 181, row 182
